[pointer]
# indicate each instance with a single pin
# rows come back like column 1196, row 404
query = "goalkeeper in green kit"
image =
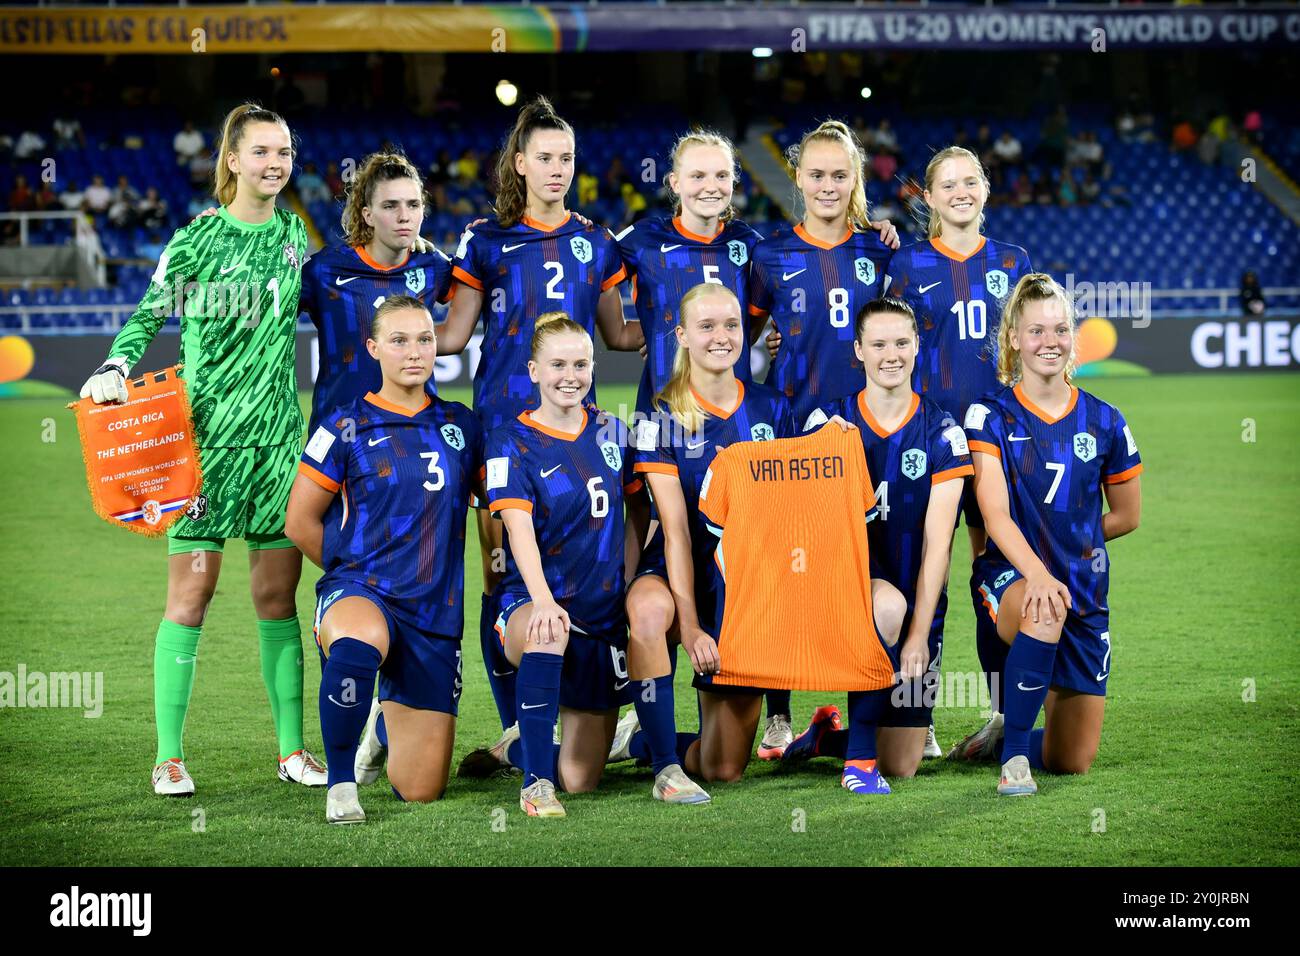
column 234, row 277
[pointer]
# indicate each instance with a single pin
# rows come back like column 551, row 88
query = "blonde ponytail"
column 1034, row 287
column 834, row 131
column 550, row 324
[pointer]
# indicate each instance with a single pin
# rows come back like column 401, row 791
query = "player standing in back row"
column 1045, row 453
column 535, row 257
column 244, row 265
column 956, row 282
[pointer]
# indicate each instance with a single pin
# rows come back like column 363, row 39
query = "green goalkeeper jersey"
column 235, row 286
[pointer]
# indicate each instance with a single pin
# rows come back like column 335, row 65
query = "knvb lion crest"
column 761, row 432
column 737, row 252
column 996, row 281
column 581, row 249
column 1085, row 447
column 914, row 462
column 865, row 270
column 612, row 454
column 453, row 436
column 415, row 281
column 291, row 256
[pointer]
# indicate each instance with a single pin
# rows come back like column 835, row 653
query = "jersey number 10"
column 971, row 320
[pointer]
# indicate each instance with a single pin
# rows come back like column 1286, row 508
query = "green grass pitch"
column 1198, row 756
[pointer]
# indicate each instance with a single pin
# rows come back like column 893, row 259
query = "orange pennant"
column 142, row 465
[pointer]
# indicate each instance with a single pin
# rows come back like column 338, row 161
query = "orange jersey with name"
column 793, row 559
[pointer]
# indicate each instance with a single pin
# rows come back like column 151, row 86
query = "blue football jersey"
column 397, row 524
column 523, row 272
column 958, row 304
column 813, row 292
column 928, row 448
column 1054, row 469
column 664, row 446
column 665, row 261
column 341, row 289
column 573, row 486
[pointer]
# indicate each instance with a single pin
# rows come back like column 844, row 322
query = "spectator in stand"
column 1044, row 195
column 1055, row 134
column 1022, row 189
column 1066, row 193
column 152, row 210
column 884, row 165
column 30, row 145
column 1253, row 126
column 72, row 198
column 1252, row 296
column 1184, row 137
column 1092, row 154
column 588, row 188
column 47, row 200
column 122, row 208
column 334, row 181
column 1089, row 189
column 311, row 187
column 634, row 205
column 1006, row 151
column 467, row 168
column 616, row 177
column 188, row 144
column 1207, row 148
column 68, row 133
column 440, row 170
column 21, row 197
column 983, row 145
column 883, row 139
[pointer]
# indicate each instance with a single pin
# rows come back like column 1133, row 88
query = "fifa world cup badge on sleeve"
column 142, row 464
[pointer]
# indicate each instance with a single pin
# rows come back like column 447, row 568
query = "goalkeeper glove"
column 108, row 382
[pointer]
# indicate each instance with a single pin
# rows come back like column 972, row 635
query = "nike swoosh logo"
column 787, row 276
column 547, row 474
column 226, row 270
column 1019, row 437
column 375, row 441
column 923, row 289
column 670, row 248
column 340, row 703
column 690, row 447
column 1023, row 687
column 530, row 706
column 342, row 281
column 618, row 686
column 517, row 245
column 186, row 660
column 502, row 673
column 1103, row 676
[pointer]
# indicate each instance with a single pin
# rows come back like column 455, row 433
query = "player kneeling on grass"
column 702, row 408
column 380, row 503
column 1045, row 452
column 918, row 457
column 557, row 475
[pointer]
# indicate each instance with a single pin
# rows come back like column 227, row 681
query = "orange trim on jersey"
column 325, row 481
column 874, row 425
column 939, row 477
column 636, row 286
column 717, row 412
column 461, row 275
column 451, row 293
column 614, row 280
column 1019, row 391
column 986, row 448
column 695, row 236
column 518, row 504
column 1124, row 475
column 553, row 432
column 992, row 611
column 953, row 254
column 635, row 486
column 802, row 233
column 756, row 311
column 388, row 406
column 541, row 226
column 365, row 257
column 655, row 468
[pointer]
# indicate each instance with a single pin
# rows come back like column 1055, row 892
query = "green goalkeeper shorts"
column 245, row 495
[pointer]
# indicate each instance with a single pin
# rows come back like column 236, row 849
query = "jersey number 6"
column 599, row 497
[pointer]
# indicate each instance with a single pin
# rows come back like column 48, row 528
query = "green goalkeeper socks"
column 175, row 656
column 281, row 645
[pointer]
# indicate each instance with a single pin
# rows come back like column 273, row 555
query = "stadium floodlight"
column 762, row 52
column 866, row 92
column 507, row 93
